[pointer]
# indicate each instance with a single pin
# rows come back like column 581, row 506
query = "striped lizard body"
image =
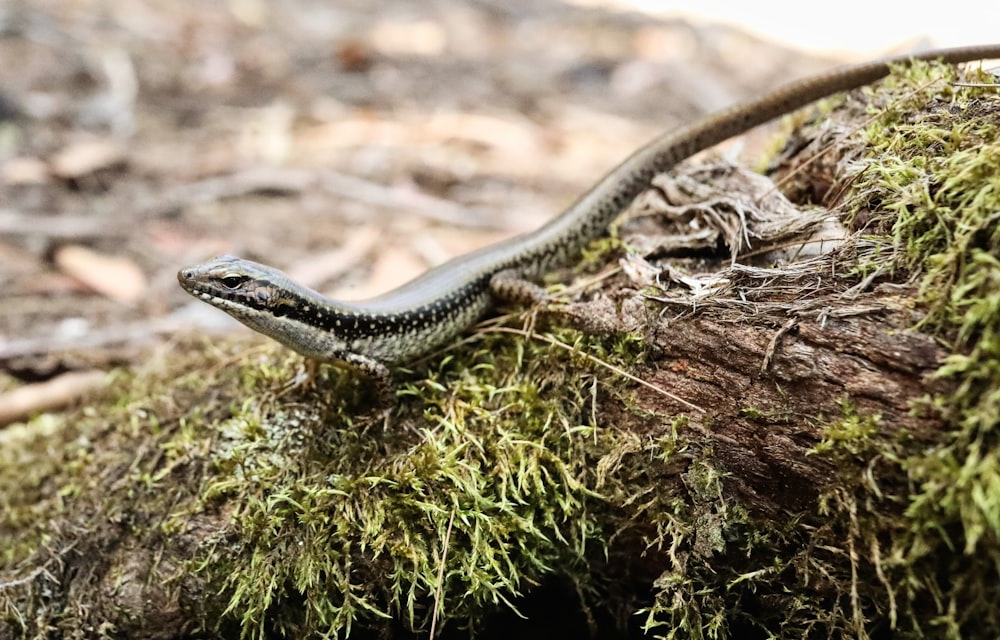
column 434, row 308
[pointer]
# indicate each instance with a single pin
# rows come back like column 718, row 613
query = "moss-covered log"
column 801, row 441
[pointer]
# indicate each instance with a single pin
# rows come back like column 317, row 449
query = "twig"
column 128, row 333
column 772, row 346
column 413, row 202
column 16, row 582
column 281, row 180
column 51, row 394
column 63, row 226
column 233, row 185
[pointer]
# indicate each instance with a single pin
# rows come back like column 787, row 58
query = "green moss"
column 941, row 191
column 752, row 413
column 852, row 433
column 931, row 537
column 322, row 521
column 88, row 484
column 905, row 539
column 339, row 523
column 600, row 252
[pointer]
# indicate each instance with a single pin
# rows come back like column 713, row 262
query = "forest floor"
column 352, row 145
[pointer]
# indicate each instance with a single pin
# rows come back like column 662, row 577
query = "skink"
column 434, row 308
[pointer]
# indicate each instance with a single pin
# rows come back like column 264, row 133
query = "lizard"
column 431, row 310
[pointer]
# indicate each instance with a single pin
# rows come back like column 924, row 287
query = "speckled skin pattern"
column 435, row 307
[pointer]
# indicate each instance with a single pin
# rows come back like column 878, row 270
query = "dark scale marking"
column 435, row 307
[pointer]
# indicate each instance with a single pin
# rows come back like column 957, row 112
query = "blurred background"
column 849, row 27
column 352, row 143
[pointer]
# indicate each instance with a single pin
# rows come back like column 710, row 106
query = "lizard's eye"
column 233, row 281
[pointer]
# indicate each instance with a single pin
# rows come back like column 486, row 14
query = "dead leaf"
column 24, row 171
column 117, row 278
column 85, row 157
column 50, row 395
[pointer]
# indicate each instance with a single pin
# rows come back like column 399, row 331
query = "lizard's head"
column 241, row 288
column 266, row 300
